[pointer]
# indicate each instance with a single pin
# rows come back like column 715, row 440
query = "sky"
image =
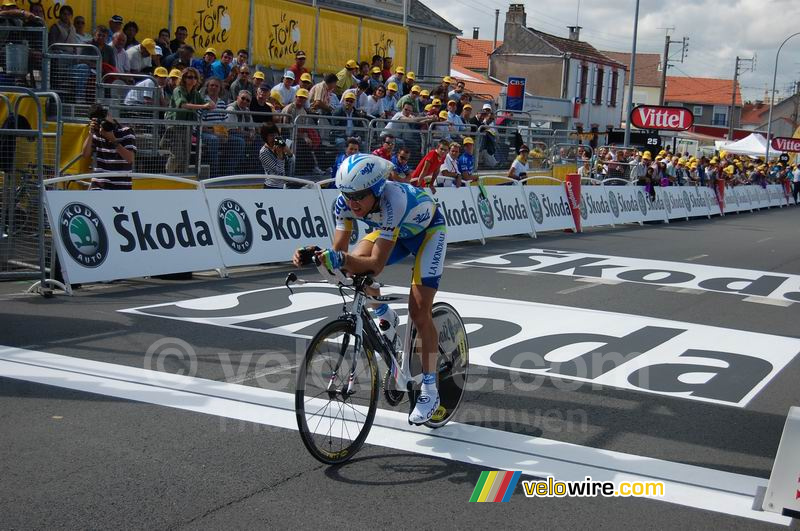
column 718, row 32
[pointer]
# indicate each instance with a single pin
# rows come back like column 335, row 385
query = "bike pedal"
column 439, row 414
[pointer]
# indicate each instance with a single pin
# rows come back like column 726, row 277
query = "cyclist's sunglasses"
column 356, row 196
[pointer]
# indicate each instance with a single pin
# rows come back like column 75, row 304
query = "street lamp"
column 772, row 97
column 627, row 140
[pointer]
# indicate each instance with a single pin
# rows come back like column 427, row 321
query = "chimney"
column 574, row 33
column 475, row 30
column 516, row 14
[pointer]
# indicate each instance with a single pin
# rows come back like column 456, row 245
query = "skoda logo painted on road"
column 83, row 235
column 686, row 201
column 642, row 202
column 536, row 207
column 612, row 201
column 584, row 209
column 234, row 225
column 485, row 210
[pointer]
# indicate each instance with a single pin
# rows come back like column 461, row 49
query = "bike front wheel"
column 334, row 415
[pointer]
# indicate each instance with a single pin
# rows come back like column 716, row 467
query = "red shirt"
column 383, row 153
column 434, row 163
column 386, row 74
column 298, row 71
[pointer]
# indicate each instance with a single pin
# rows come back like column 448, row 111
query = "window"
column 697, row 110
column 720, row 115
column 425, row 65
column 612, row 101
column 598, row 90
column 584, row 82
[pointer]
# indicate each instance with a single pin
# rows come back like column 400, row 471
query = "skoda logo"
column 642, row 202
column 536, row 207
column 354, row 234
column 686, row 202
column 668, row 202
column 612, row 200
column 485, row 210
column 83, row 235
column 234, row 225
column 584, row 209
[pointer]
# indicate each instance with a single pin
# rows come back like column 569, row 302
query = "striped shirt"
column 274, row 166
column 218, row 114
column 108, row 160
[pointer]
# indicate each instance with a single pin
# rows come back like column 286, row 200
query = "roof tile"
column 647, row 72
column 701, row 90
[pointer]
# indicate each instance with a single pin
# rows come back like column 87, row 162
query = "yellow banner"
column 386, row 40
column 149, row 15
column 285, row 29
column 79, row 7
column 338, row 41
column 219, row 24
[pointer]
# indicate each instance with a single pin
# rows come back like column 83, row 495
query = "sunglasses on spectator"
column 356, row 196
column 244, row 98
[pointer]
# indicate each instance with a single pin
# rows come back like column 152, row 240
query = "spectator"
column 305, row 82
column 298, row 68
column 120, row 54
column 352, row 146
column 408, row 82
column 412, row 97
column 796, row 183
column 146, row 92
column 390, row 100
column 450, row 167
column 172, row 83
column 275, row 157
column 63, row 32
column 275, row 99
column 214, row 134
column 114, row 26
column 466, row 117
column 224, row 70
column 308, row 138
column 99, row 42
column 243, row 82
column 360, row 94
column 397, row 80
column 377, row 62
column 139, row 56
column 442, row 129
column 242, row 57
column 386, row 149
column 346, row 79
column 180, row 59
column 519, row 168
column 203, row 65
column 428, row 168
column 286, row 87
column 258, row 80
column 457, row 92
column 131, row 29
column 347, row 114
column 375, row 79
column 298, row 106
column 163, row 42
column 181, row 32
column 386, row 73
column 241, row 140
column 363, row 71
column 400, row 160
column 585, row 171
column 445, row 86
column 186, row 100
column 453, row 116
column 260, row 104
column 114, row 149
column 424, row 98
column 320, row 94
column 80, row 30
column 464, row 100
column 374, row 105
column 466, row 161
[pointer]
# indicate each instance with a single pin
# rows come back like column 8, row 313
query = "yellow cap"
column 468, row 140
column 447, row 79
column 149, row 45
column 411, row 76
column 416, row 88
column 275, row 95
column 436, row 101
column 399, row 70
column 351, row 64
column 428, row 107
column 160, row 72
column 175, row 73
column 349, row 96
column 425, row 92
column 306, row 77
column 467, row 106
column 9, row 3
column 258, row 75
column 375, row 70
column 392, row 86
column 443, row 114
column 301, row 93
column 212, row 51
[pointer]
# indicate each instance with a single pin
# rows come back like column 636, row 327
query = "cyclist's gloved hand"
column 305, row 255
column 332, row 260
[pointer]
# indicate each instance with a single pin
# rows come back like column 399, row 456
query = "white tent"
column 754, row 145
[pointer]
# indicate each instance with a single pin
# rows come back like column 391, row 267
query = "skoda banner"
column 112, row 235
column 464, row 222
column 504, row 212
column 595, row 208
column 549, row 207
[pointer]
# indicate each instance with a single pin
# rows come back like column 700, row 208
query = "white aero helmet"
column 363, row 172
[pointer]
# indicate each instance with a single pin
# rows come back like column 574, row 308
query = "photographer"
column 114, row 147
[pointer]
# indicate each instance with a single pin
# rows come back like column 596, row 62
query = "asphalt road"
column 79, row 459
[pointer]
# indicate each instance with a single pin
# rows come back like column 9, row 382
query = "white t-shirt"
column 520, row 169
column 451, row 165
column 287, row 95
column 136, row 62
column 143, row 89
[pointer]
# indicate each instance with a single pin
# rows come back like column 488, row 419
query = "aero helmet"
column 363, row 172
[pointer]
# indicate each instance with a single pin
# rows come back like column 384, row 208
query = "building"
column 561, row 68
column 431, row 38
column 785, row 116
column 709, row 100
column 646, row 78
column 753, row 115
column 471, row 65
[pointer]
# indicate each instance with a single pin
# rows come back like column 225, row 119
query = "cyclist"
column 406, row 221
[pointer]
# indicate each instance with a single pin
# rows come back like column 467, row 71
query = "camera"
column 107, row 125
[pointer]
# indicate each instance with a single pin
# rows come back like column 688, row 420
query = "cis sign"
column 662, row 118
column 781, row 143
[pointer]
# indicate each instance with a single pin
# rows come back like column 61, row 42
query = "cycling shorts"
column 428, row 247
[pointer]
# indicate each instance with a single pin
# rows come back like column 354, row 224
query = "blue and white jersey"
column 403, row 212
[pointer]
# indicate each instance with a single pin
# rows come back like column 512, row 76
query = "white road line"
column 577, row 288
column 699, row 256
column 766, row 239
column 686, row 485
column 770, row 302
column 260, row 374
column 673, row 289
column 593, row 280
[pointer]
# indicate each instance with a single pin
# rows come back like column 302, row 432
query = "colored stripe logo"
column 494, row 486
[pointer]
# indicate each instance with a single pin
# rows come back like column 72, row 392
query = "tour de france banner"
column 386, row 40
column 218, row 24
column 257, row 227
column 149, row 15
column 112, row 235
column 338, row 41
column 51, row 7
column 281, row 30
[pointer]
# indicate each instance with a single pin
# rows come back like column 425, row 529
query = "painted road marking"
column 770, row 302
column 577, row 288
column 686, row 485
column 746, row 282
column 631, row 352
column 698, row 257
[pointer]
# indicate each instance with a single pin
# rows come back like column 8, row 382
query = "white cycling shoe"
column 427, row 403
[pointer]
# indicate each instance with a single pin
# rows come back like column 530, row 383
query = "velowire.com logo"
column 495, row 486
column 83, row 235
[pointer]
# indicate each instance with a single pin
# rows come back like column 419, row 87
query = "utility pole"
column 732, row 113
column 631, row 80
column 665, row 61
column 496, row 21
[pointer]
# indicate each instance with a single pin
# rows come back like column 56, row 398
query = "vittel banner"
column 505, row 212
column 112, row 235
column 262, row 226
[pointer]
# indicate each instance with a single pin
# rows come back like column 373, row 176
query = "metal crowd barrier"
column 21, row 53
column 318, row 139
column 75, row 70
